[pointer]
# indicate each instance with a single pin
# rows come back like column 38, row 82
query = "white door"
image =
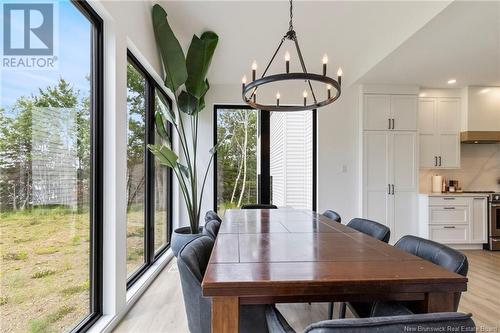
column 377, row 110
column 429, row 150
column 404, row 112
column 404, row 178
column 449, row 145
column 429, row 144
column 479, row 221
column 376, row 181
column 448, row 119
column 448, row 128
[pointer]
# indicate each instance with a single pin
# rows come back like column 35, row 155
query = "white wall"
column 338, row 146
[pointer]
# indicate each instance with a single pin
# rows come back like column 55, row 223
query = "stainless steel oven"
column 494, row 222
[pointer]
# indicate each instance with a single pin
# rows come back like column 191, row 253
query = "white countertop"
column 456, row 194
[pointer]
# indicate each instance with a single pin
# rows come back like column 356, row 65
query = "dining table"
column 266, row 256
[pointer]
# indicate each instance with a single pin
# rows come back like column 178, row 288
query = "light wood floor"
column 161, row 308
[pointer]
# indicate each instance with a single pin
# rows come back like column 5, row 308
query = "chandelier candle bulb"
column 254, row 70
column 339, row 76
column 329, row 90
column 325, row 61
column 287, row 62
column 243, row 82
column 304, row 94
column 278, row 98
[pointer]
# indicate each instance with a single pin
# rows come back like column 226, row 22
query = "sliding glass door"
column 265, row 157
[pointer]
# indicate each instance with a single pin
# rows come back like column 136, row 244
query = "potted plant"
column 185, row 76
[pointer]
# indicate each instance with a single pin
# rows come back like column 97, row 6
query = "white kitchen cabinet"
column 439, row 132
column 479, row 220
column 390, row 180
column 457, row 219
column 390, row 112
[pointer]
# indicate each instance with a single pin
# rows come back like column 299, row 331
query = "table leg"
column 225, row 314
column 438, row 302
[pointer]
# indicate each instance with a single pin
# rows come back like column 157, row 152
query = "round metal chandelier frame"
column 254, row 85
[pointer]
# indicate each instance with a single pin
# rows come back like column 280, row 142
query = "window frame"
column 97, row 147
column 264, row 127
column 150, row 255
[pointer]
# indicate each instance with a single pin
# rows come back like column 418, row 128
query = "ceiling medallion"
column 249, row 91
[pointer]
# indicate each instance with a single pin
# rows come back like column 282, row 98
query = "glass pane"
column 45, row 179
column 236, row 158
column 136, row 85
column 161, row 191
column 291, row 159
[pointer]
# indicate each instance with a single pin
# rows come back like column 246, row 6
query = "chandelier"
column 249, row 91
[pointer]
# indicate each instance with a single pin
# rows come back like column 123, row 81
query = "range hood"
column 475, row 137
column 481, row 115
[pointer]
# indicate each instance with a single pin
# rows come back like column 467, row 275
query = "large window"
column 148, row 182
column 50, row 180
column 270, row 157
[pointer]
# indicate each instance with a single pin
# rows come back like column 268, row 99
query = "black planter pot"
column 181, row 236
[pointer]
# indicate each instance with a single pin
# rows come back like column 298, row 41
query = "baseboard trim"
column 466, row 246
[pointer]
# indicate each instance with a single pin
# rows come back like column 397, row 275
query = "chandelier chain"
column 290, row 27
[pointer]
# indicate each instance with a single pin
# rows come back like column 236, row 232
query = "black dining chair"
column 371, row 228
column 429, row 322
column 439, row 254
column 332, row 215
column 211, row 215
column 192, row 262
column 211, row 229
column 377, row 231
column 258, row 206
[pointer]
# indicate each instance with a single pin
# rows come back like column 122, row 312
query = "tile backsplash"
column 479, row 169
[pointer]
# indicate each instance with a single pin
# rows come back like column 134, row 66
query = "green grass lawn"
column 44, row 266
column 44, row 270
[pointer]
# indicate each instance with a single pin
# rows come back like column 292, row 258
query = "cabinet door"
column 404, row 112
column 478, row 224
column 377, row 109
column 404, row 177
column 448, row 130
column 429, row 143
column 427, row 115
column 448, row 115
column 376, row 205
column 449, row 144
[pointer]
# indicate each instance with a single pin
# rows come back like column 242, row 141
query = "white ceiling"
column 355, row 35
column 462, row 42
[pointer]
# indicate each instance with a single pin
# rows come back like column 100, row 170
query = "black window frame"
column 96, row 188
column 150, row 255
column 264, row 180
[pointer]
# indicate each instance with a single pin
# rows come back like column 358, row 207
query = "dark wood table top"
column 284, row 252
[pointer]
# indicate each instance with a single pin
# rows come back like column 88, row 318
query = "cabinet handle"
column 388, row 188
column 435, row 161
column 448, row 198
column 449, row 207
column 393, row 123
column 439, row 160
column 449, row 227
column 389, row 119
column 392, row 189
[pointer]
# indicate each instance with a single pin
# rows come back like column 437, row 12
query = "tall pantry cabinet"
column 390, row 161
